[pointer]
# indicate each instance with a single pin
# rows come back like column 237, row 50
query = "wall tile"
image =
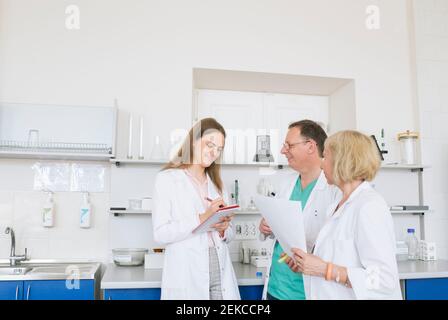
column 440, row 6
column 437, row 231
column 429, row 97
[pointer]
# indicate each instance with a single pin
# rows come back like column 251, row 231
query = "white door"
column 283, row 109
column 241, row 114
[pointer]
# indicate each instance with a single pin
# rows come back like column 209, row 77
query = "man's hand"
column 264, row 227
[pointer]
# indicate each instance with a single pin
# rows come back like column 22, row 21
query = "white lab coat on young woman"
column 314, row 213
column 359, row 236
column 177, row 206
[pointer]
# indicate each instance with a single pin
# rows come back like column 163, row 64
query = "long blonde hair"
column 184, row 157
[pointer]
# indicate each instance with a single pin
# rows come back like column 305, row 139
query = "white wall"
column 144, row 52
column 21, row 207
column 431, row 33
column 343, row 109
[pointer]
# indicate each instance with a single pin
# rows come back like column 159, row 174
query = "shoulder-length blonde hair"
column 185, row 157
column 355, row 156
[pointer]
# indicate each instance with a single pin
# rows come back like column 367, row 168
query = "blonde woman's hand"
column 309, row 264
column 291, row 263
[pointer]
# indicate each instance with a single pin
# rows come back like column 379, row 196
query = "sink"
column 12, row 271
column 64, row 269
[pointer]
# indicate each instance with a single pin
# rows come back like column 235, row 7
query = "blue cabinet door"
column 251, row 292
column 11, row 290
column 427, row 289
column 58, row 290
column 132, row 294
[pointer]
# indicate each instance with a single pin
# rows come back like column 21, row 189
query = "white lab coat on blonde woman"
column 314, row 213
column 177, row 206
column 359, row 236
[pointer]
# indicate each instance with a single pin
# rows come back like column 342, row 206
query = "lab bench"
column 135, row 283
column 420, row 280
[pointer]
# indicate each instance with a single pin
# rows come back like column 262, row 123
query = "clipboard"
column 215, row 218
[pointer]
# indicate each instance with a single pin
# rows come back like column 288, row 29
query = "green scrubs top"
column 285, row 284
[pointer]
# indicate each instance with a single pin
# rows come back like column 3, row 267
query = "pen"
column 282, row 259
column 208, row 199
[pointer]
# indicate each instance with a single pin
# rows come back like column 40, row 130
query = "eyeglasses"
column 288, row 146
column 211, row 145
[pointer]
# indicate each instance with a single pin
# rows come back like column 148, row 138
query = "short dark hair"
column 311, row 130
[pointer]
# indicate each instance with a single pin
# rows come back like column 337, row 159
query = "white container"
column 428, row 251
column 154, row 260
column 129, row 256
column 246, row 257
column 408, row 141
column 401, row 251
column 259, row 261
column 135, row 204
column 147, row 203
column 48, row 212
column 85, row 212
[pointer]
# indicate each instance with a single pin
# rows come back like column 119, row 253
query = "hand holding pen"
column 215, row 205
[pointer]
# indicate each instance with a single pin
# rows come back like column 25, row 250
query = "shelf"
column 146, row 212
column 243, row 212
column 54, row 155
column 119, row 162
column 415, row 212
column 398, row 166
column 393, row 166
column 130, row 212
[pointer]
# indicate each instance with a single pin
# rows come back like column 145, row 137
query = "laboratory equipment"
column 413, row 246
column 402, row 251
column 263, row 149
column 408, row 141
column 427, row 251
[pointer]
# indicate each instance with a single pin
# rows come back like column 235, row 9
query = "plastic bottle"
column 236, row 192
column 85, row 211
column 412, row 243
column 48, row 212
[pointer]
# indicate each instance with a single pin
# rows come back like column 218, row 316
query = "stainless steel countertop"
column 117, row 277
column 422, row 269
column 54, row 270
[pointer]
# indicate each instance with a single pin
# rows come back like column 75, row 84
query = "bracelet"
column 329, row 271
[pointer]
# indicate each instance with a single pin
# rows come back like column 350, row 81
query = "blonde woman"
column 197, row 266
column 354, row 255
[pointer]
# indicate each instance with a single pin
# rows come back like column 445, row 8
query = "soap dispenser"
column 85, row 212
column 48, row 212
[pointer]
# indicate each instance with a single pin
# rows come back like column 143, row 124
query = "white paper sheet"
column 285, row 219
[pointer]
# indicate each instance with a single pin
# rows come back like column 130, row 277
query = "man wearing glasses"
column 303, row 147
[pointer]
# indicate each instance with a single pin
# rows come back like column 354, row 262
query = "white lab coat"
column 359, row 236
column 314, row 213
column 177, row 206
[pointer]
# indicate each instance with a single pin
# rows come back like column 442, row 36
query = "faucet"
column 13, row 259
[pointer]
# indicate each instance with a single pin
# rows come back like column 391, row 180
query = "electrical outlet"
column 245, row 230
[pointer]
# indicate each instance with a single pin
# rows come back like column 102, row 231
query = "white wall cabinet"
column 57, row 131
column 245, row 115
